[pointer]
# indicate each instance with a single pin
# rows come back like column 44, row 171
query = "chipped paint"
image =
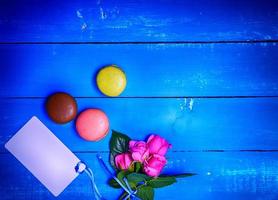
column 190, row 106
column 183, row 104
column 84, row 26
column 185, row 107
column 79, row 14
column 102, row 13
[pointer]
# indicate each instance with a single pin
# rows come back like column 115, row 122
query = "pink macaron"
column 92, row 124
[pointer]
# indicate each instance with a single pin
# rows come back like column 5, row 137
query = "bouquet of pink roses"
column 138, row 165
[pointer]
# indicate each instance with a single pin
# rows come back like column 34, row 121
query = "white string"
column 90, row 174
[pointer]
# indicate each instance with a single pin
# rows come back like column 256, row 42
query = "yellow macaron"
column 111, row 80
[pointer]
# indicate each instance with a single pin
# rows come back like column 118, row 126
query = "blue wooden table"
column 203, row 74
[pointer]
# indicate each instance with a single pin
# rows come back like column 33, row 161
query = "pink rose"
column 157, row 145
column 139, row 150
column 123, row 161
column 154, row 165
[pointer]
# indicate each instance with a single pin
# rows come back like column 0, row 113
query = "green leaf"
column 137, row 178
column 114, row 183
column 118, row 144
column 137, row 166
column 145, row 193
column 122, row 174
column 183, row 175
column 123, row 196
column 161, row 181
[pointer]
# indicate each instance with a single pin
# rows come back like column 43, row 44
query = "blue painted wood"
column 229, row 124
column 133, row 20
column 152, row 70
column 164, row 70
column 229, row 175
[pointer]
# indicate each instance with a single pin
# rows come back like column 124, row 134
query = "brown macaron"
column 61, row 107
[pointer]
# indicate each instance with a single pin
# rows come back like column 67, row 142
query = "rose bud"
column 157, row 145
column 154, row 165
column 123, row 161
column 139, row 150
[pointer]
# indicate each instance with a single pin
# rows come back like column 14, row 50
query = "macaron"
column 111, row 80
column 61, row 107
column 92, row 125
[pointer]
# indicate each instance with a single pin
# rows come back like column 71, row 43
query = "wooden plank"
column 189, row 124
column 229, row 175
column 152, row 70
column 131, row 20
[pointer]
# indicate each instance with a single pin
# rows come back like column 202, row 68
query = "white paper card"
column 44, row 155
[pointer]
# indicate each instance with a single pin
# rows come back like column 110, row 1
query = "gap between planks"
column 185, row 151
column 149, row 42
column 150, row 97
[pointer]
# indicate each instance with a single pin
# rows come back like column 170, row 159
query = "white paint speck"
column 102, row 13
column 79, row 14
column 84, row 26
column 191, row 104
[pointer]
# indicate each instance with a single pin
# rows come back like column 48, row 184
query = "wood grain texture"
column 202, row 74
column 133, row 20
column 189, row 124
column 152, row 70
column 220, row 176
